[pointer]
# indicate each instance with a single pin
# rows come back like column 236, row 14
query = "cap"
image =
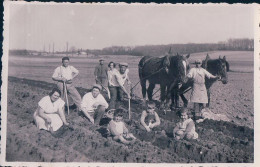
column 97, row 86
column 198, row 61
column 101, row 59
column 123, row 64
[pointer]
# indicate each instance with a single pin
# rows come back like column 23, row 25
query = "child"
column 149, row 118
column 118, row 130
column 185, row 129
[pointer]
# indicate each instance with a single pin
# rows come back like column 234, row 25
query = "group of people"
column 50, row 112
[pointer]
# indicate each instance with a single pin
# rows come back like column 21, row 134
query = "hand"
column 66, row 123
column 69, row 81
column 48, row 120
column 151, row 126
column 63, row 79
column 129, row 82
column 91, row 120
column 128, row 96
column 147, row 129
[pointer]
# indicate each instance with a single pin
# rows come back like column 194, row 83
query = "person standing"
column 101, row 74
column 116, row 81
column 64, row 76
column 93, row 105
column 199, row 93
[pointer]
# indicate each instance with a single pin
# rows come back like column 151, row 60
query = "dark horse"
column 167, row 71
column 218, row 67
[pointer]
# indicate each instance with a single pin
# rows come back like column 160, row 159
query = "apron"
column 199, row 91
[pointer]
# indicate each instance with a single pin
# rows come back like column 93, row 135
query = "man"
column 93, row 105
column 116, row 84
column 199, row 93
column 64, row 76
column 101, row 73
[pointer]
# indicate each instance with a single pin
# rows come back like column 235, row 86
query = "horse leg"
column 143, row 85
column 163, row 95
column 150, row 91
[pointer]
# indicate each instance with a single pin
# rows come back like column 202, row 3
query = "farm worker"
column 50, row 112
column 101, row 73
column 93, row 105
column 199, row 93
column 116, row 81
column 118, row 129
column 185, row 129
column 64, row 76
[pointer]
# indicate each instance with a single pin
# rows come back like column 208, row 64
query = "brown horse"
column 167, row 71
column 218, row 67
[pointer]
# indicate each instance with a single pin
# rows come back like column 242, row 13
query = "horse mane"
column 211, row 65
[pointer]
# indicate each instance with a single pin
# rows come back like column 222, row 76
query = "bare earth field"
column 219, row 141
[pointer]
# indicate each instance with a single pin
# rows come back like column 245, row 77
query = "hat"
column 101, row 59
column 198, row 61
column 123, row 64
column 97, row 86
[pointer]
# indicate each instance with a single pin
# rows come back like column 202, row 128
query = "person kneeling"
column 50, row 112
column 118, row 130
column 93, row 105
column 185, row 129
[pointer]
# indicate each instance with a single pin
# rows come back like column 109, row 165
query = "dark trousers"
column 98, row 114
column 116, row 94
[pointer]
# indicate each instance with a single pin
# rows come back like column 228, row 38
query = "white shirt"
column 115, row 78
column 50, row 107
column 65, row 72
column 88, row 101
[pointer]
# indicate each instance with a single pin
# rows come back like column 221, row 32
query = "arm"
column 143, row 123
column 189, row 127
column 209, row 75
column 175, row 130
column 43, row 115
column 56, row 76
column 122, row 86
column 84, row 108
column 75, row 72
column 157, row 121
column 62, row 115
column 125, row 130
column 87, row 115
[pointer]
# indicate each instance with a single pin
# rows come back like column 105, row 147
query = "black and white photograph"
column 140, row 84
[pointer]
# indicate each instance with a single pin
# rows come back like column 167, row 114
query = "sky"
column 36, row 26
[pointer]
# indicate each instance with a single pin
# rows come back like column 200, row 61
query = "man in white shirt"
column 116, row 81
column 93, row 105
column 64, row 76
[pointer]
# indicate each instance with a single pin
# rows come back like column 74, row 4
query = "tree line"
column 242, row 44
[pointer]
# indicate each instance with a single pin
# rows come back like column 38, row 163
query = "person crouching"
column 118, row 130
column 93, row 105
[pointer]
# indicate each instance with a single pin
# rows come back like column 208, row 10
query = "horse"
column 218, row 67
column 167, row 71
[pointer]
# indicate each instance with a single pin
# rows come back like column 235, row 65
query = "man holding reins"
column 64, row 76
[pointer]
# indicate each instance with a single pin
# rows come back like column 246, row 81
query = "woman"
column 199, row 93
column 50, row 112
